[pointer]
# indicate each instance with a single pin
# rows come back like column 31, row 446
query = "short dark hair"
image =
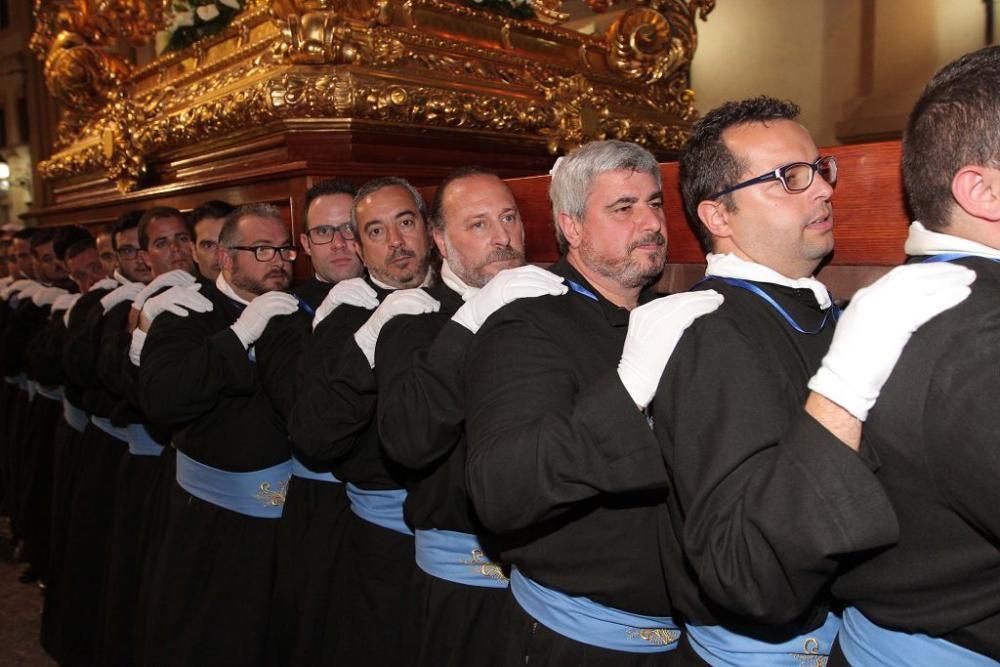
column 41, row 237
column 381, row 183
column 230, row 234
column 331, row 186
column 25, row 234
column 708, row 166
column 126, row 221
column 953, row 124
column 158, row 213
column 72, row 240
column 214, row 208
column 436, row 218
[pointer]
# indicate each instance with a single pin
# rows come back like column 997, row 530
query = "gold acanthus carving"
column 650, row 43
column 631, row 84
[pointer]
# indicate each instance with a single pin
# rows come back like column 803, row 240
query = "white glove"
column 506, row 286
column 353, row 292
column 48, row 295
column 251, row 324
column 105, row 283
column 135, row 347
column 30, row 291
column 16, row 287
column 402, row 302
column 168, row 279
column 873, row 331
column 177, row 300
column 653, row 332
column 65, row 302
column 126, row 292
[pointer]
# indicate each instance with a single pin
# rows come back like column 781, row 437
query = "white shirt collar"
column 730, row 266
column 922, row 241
column 227, row 289
column 117, row 275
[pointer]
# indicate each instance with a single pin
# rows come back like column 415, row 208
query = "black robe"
column 419, row 364
column 935, row 428
column 211, row 585
column 550, row 430
column 764, row 501
column 333, row 421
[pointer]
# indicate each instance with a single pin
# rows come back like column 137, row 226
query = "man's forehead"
column 768, row 145
column 262, row 228
column 161, row 227
column 388, row 202
column 325, row 207
column 478, row 190
column 126, row 235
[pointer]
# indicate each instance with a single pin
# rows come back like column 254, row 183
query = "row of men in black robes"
column 410, row 471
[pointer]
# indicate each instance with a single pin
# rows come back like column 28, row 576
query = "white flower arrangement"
column 187, row 21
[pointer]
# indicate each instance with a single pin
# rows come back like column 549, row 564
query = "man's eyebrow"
column 627, row 199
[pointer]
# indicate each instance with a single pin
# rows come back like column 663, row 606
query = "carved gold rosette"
column 327, row 63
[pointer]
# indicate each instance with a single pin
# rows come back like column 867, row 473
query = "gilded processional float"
column 254, row 92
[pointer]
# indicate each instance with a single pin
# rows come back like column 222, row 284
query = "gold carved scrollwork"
column 548, row 11
column 319, row 32
column 80, row 76
column 651, row 43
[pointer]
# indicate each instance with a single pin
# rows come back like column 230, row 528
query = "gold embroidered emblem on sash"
column 810, row 656
column 657, row 636
column 485, row 566
column 274, row 497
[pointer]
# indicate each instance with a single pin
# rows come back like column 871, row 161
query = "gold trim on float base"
column 421, row 63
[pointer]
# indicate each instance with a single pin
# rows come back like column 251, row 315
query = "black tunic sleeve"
column 419, row 368
column 336, row 397
column 539, row 442
column 769, row 498
column 188, row 363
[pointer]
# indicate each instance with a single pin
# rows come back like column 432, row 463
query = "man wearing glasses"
column 333, row 427
column 316, row 504
column 327, row 239
column 769, row 485
column 209, row 596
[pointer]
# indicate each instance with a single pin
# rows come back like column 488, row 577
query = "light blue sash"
column 74, row 416
column 588, row 622
column 11, row 379
column 299, row 470
column 109, row 428
column 868, row 645
column 258, row 493
column 53, row 394
column 140, row 442
column 457, row 557
column 31, row 387
column 383, row 507
column 719, row 646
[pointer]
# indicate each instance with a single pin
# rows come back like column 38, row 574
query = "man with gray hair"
column 211, row 586
column 552, row 423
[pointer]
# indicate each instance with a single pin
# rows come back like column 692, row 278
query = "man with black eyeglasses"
column 209, row 597
column 315, row 503
column 327, row 239
column 770, row 487
column 332, row 423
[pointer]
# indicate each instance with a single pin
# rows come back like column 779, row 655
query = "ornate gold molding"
column 420, row 63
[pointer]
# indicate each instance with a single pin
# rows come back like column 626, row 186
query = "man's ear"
column 715, row 216
column 976, row 190
column 438, row 237
column 225, row 259
column 571, row 228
